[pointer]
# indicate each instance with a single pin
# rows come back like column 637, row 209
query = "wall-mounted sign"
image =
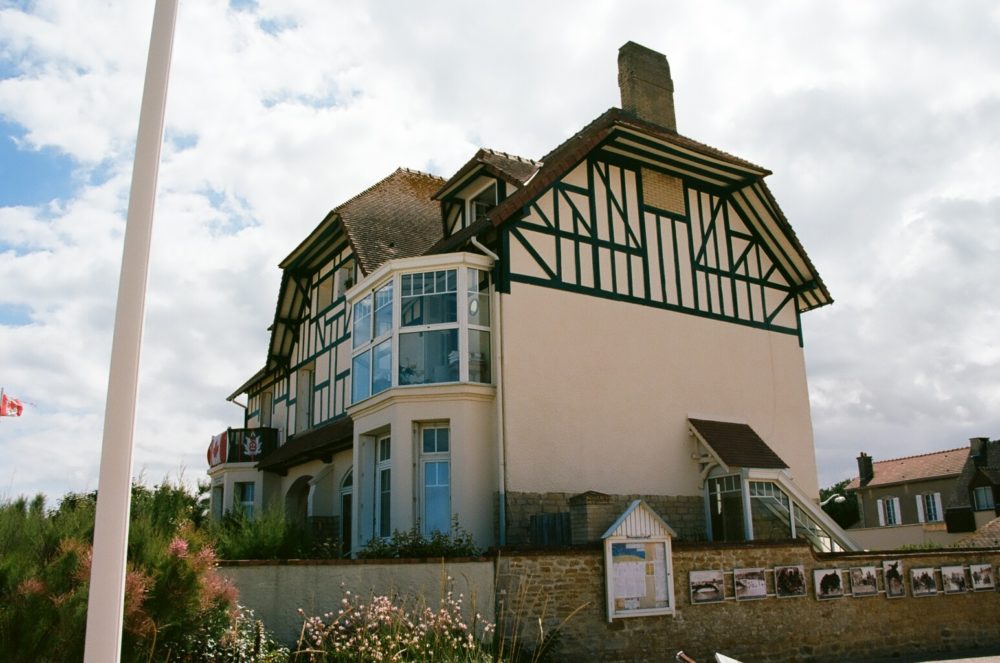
column 638, row 564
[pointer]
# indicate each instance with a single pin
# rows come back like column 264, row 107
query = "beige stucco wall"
column 597, row 393
column 275, row 591
column 469, row 411
column 891, row 538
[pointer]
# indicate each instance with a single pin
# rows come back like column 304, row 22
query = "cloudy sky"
column 880, row 120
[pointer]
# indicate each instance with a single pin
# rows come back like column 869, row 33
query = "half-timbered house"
column 528, row 346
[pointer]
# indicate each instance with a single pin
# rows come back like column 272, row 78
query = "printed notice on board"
column 629, row 565
column 639, row 575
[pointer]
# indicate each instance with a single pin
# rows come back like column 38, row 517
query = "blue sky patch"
column 181, row 141
column 273, row 26
column 14, row 315
column 31, row 177
column 328, row 100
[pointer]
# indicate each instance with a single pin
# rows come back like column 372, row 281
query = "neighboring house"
column 905, row 491
column 930, row 498
column 528, row 346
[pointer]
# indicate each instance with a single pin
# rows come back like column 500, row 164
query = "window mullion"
column 397, row 319
column 462, row 304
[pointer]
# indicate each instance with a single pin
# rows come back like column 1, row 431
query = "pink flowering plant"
column 178, row 607
column 388, row 629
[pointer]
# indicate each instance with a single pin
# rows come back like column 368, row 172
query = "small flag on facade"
column 218, row 449
column 10, row 407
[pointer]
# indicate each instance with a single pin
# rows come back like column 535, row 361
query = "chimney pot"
column 646, row 87
column 977, row 448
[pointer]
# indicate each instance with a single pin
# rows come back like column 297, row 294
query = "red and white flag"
column 217, row 450
column 10, row 407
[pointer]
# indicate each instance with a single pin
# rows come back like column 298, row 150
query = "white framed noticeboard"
column 638, row 565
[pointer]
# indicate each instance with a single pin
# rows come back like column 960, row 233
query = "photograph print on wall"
column 982, row 577
column 749, row 584
column 892, row 575
column 707, row 586
column 953, row 579
column 828, row 584
column 789, row 581
column 863, row 582
column 923, row 582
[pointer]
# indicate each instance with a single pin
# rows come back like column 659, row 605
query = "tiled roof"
column 395, row 218
column 914, row 468
column 737, row 445
column 514, row 169
column 987, row 536
column 617, row 115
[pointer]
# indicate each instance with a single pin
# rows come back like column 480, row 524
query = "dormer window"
column 483, row 202
column 343, row 279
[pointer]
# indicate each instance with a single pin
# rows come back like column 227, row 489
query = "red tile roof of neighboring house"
column 987, row 536
column 915, row 468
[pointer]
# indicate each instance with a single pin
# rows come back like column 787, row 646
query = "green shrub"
column 175, row 600
column 414, row 544
column 268, row 536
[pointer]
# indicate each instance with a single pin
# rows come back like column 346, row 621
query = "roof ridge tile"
column 923, row 455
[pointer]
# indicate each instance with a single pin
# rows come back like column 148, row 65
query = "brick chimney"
column 977, row 449
column 646, row 87
column 866, row 471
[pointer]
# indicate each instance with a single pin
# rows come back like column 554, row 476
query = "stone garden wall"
column 554, row 585
column 565, row 590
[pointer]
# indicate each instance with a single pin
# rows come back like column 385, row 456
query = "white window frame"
column 470, row 205
column 466, row 291
column 383, row 463
column 400, row 331
column 343, row 279
column 426, row 458
column 929, row 508
column 374, row 342
column 889, row 514
column 346, row 489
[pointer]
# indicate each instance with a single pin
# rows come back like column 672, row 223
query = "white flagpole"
column 107, row 575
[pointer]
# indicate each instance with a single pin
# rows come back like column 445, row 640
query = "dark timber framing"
column 718, row 259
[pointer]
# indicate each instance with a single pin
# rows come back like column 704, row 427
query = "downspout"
column 501, row 450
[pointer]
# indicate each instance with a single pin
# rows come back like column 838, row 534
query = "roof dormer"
column 480, row 185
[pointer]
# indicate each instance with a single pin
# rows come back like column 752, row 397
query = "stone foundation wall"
column 553, row 585
column 595, row 512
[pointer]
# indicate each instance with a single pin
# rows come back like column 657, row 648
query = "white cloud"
column 880, row 122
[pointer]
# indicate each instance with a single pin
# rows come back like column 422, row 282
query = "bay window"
column 414, row 328
column 371, row 367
